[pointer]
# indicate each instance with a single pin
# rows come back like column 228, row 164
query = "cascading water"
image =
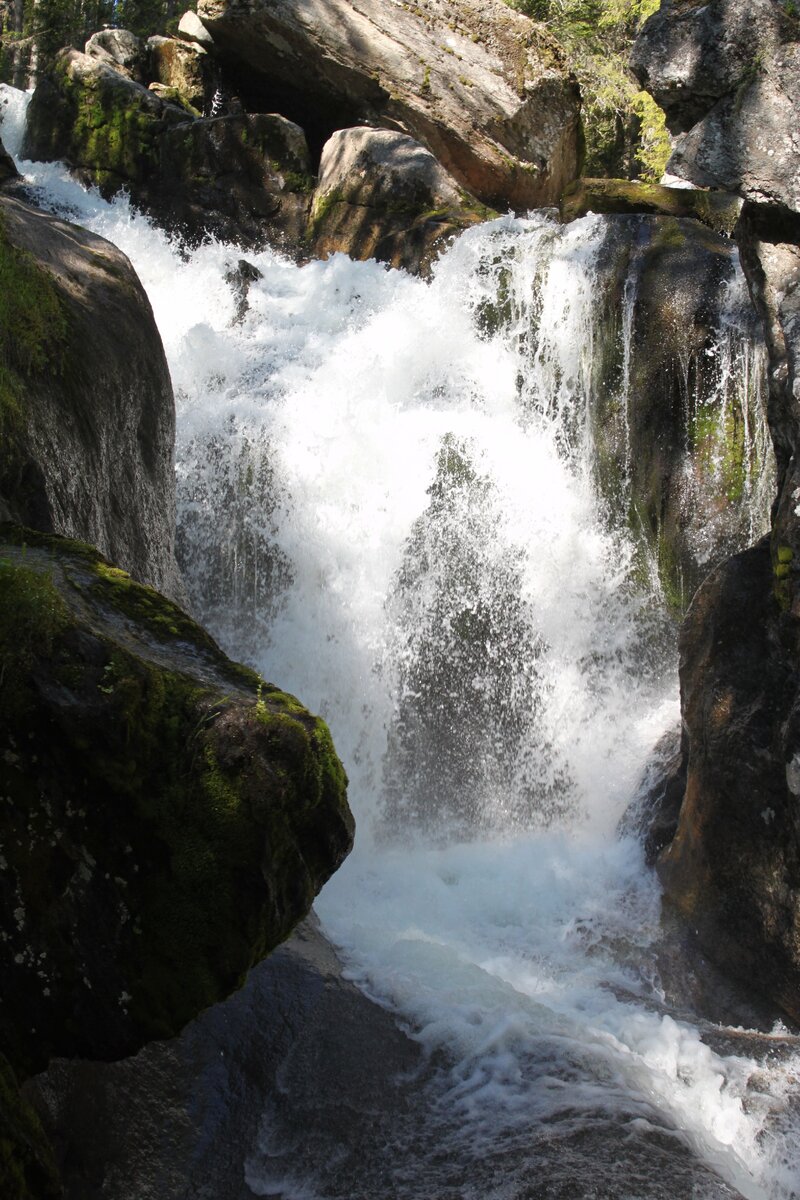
column 389, row 505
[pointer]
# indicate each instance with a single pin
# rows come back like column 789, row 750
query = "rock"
column 733, row 868
column 727, row 74
column 244, row 178
column 769, row 243
column 119, row 49
column 750, row 141
column 481, row 86
column 239, row 279
column 680, row 444
column 653, row 815
column 299, row 1085
column 167, row 816
column 717, row 210
column 299, row 1046
column 7, row 169
column 192, row 29
column 179, row 66
column 86, row 408
column 27, row 1167
column 382, row 195
column 102, row 124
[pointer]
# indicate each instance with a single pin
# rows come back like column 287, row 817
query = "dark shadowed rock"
column 653, row 815
column 382, row 195
column 244, row 178
column 733, row 867
column 86, row 406
column 680, row 444
column 7, row 169
column 167, row 817
column 479, row 85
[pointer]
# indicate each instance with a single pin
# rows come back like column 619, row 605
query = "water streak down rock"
column 481, row 86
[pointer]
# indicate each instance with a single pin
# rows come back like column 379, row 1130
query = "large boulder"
column 727, row 74
column 101, row 123
column 680, row 440
column 118, row 48
column 733, row 867
column 242, row 178
column 8, row 170
column 86, row 408
column 167, row 816
column 382, row 195
column 479, row 85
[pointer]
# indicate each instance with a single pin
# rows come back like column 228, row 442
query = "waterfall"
column 390, row 504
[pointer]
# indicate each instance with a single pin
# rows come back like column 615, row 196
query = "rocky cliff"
column 726, row 75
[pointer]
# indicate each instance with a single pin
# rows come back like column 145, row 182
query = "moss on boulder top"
column 166, row 817
column 718, row 210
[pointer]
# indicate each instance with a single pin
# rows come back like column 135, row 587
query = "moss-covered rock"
column 97, row 120
column 166, row 817
column 86, row 407
column 718, row 210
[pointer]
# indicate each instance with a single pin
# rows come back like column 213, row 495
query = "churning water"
column 387, row 503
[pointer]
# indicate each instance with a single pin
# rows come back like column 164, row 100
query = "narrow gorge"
column 326, row 373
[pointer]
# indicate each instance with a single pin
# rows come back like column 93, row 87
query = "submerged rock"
column 87, row 419
column 382, row 195
column 166, row 818
column 481, row 86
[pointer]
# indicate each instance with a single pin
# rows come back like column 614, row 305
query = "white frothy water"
column 397, row 478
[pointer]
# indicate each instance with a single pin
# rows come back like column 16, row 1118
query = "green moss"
column 214, row 801
column 785, row 554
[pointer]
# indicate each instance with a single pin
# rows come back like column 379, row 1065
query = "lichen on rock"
column 166, row 819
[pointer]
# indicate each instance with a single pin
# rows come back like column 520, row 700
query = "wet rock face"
column 167, row 817
column 86, row 406
column 733, row 868
column 7, row 169
column 477, row 84
column 382, row 195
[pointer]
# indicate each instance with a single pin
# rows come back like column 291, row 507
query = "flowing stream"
column 387, row 504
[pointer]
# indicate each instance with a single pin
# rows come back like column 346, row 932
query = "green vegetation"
column 624, row 127
column 37, row 29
